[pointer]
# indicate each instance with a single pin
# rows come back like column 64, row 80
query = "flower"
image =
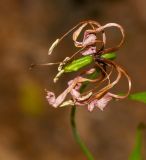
column 102, row 69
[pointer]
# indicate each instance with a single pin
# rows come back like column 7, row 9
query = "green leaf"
column 137, row 151
column 141, row 96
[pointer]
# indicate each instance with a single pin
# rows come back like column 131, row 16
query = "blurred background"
column 29, row 127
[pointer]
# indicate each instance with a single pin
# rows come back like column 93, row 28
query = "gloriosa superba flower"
column 99, row 59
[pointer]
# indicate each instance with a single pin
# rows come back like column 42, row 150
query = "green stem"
column 73, row 123
column 77, row 136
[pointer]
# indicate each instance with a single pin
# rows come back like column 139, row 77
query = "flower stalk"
column 76, row 135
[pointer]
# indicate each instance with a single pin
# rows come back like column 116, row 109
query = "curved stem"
column 77, row 136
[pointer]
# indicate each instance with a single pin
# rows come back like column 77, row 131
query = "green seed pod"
column 78, row 64
column 110, row 56
column 84, row 61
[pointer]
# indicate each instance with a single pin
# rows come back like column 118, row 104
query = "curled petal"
column 106, row 89
column 55, row 102
column 75, row 91
column 78, row 31
column 121, row 72
column 122, row 33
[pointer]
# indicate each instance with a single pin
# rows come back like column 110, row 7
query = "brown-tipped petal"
column 101, row 103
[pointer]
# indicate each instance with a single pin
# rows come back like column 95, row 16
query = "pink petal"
column 55, row 102
column 89, row 40
column 75, row 91
column 91, row 106
column 101, row 103
column 73, row 84
column 75, row 94
column 50, row 97
column 88, row 51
